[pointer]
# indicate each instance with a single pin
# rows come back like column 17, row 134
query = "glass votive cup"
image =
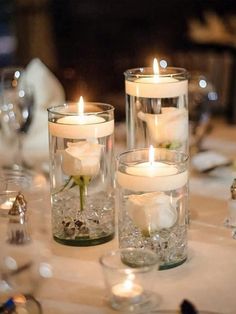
column 128, row 275
column 13, row 180
column 16, row 180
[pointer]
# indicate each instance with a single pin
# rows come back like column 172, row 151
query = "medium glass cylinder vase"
column 157, row 108
column 152, row 187
column 81, row 173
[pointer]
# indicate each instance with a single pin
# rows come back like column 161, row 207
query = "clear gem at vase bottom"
column 169, row 244
column 94, row 225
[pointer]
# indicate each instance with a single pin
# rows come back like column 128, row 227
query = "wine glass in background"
column 203, row 100
column 17, row 106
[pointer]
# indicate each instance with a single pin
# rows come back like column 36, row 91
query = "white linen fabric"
column 48, row 92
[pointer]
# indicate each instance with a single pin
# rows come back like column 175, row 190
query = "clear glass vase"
column 157, row 108
column 153, row 203
column 81, row 172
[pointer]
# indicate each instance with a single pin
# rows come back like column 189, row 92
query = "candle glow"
column 80, row 106
column 127, row 290
column 156, row 70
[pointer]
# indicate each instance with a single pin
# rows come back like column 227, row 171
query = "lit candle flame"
column 128, row 285
column 156, row 69
column 80, row 106
column 151, row 154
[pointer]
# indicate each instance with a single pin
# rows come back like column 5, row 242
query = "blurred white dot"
column 6, row 118
column 212, row 96
column 11, row 114
column 5, row 107
column 202, row 83
column 11, row 263
column 25, row 114
column 21, row 93
column 17, row 74
column 45, row 270
column 4, row 287
column 163, row 63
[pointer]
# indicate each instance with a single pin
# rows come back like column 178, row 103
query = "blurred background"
column 88, row 44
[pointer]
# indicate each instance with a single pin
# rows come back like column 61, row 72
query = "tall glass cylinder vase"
column 157, row 108
column 152, row 187
column 81, row 173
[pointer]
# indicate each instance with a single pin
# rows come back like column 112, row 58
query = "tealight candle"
column 82, row 125
column 7, row 204
column 127, row 291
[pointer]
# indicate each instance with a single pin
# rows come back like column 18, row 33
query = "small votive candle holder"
column 128, row 275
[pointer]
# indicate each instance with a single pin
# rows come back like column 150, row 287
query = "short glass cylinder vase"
column 82, row 173
column 129, row 275
column 157, row 108
column 152, row 187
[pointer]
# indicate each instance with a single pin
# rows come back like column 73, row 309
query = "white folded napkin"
column 48, row 92
column 208, row 160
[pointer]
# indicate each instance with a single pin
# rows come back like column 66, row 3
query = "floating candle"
column 152, row 176
column 156, row 86
column 80, row 126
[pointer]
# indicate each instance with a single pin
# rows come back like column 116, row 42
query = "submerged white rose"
column 81, row 158
column 152, row 211
column 171, row 125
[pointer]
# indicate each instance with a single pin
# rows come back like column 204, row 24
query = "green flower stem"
column 82, row 191
column 82, row 182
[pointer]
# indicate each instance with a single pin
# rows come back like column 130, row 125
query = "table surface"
column 207, row 278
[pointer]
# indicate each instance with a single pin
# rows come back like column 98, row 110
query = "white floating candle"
column 81, row 126
column 152, row 176
column 155, row 86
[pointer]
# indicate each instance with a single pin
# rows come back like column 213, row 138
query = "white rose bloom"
column 152, row 211
column 168, row 126
column 81, row 158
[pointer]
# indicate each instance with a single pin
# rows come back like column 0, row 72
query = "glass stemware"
column 16, row 111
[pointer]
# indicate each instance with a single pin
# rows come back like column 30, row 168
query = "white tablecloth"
column 207, row 278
